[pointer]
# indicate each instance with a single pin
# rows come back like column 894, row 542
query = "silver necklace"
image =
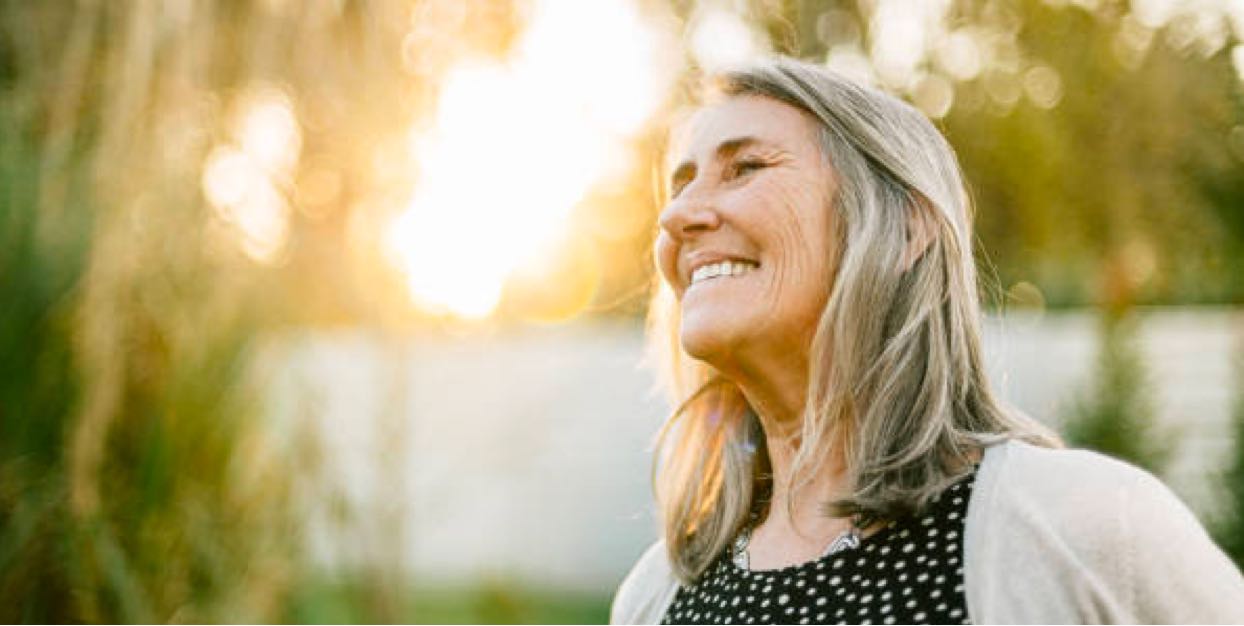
column 848, row 539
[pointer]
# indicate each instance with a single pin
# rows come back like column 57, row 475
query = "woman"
column 839, row 455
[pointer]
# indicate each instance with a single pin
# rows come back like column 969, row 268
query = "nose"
column 687, row 216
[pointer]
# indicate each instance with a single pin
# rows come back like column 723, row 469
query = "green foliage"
column 1127, row 188
column 1115, row 415
column 39, row 385
column 136, row 484
column 1228, row 526
column 490, row 601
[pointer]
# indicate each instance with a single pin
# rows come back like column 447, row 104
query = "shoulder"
column 1020, row 461
column 1078, row 496
column 1071, row 495
column 1056, row 501
column 1098, row 539
column 647, row 589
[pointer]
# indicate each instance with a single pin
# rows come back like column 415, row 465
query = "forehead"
column 766, row 119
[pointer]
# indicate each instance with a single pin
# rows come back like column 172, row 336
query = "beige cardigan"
column 1057, row 537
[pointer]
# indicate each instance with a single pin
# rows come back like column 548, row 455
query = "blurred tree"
column 1228, row 526
column 1111, row 188
column 135, row 483
column 1115, row 414
column 1117, row 187
column 1104, row 153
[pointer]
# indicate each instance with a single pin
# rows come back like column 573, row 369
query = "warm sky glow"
column 516, row 144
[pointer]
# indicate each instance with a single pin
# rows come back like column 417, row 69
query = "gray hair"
column 897, row 379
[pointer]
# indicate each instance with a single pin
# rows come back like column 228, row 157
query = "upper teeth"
column 725, row 268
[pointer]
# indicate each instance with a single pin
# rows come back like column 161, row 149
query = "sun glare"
column 515, row 144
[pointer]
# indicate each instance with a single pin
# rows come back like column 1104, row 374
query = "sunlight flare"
column 514, row 146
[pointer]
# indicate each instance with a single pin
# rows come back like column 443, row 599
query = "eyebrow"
column 724, row 150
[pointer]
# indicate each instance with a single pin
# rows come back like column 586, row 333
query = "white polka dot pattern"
column 909, row 572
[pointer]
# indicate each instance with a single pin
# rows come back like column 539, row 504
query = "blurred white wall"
column 526, row 452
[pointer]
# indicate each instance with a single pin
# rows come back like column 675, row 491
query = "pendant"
column 738, row 552
column 849, row 539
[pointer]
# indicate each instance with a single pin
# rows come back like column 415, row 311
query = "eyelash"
column 746, row 166
column 739, row 168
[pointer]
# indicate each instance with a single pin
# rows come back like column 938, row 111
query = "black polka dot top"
column 909, row 572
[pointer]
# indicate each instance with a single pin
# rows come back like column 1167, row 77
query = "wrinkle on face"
column 759, row 326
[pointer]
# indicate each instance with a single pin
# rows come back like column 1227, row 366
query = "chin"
column 709, row 340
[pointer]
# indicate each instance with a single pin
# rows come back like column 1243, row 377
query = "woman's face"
column 745, row 241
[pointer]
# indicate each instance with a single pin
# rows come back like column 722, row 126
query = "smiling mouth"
column 725, row 268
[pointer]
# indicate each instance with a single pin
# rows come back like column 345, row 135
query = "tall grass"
column 137, row 480
column 39, row 387
column 140, row 479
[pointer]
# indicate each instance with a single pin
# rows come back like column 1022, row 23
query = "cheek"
column 791, row 218
column 666, row 252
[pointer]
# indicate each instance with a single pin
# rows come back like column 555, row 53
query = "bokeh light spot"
column 1043, row 86
column 1003, row 88
column 898, row 41
column 721, row 39
column 934, row 95
column 959, row 55
column 243, row 180
column 228, row 176
column 268, row 131
column 850, row 61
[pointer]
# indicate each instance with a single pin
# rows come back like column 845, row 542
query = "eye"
column 743, row 167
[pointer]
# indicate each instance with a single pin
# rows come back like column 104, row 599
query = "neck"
column 778, row 394
column 798, row 502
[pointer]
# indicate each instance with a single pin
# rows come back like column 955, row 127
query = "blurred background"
column 332, row 310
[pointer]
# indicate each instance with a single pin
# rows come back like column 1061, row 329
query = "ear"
column 921, row 231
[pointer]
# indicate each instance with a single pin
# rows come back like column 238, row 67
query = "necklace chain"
column 848, row 539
